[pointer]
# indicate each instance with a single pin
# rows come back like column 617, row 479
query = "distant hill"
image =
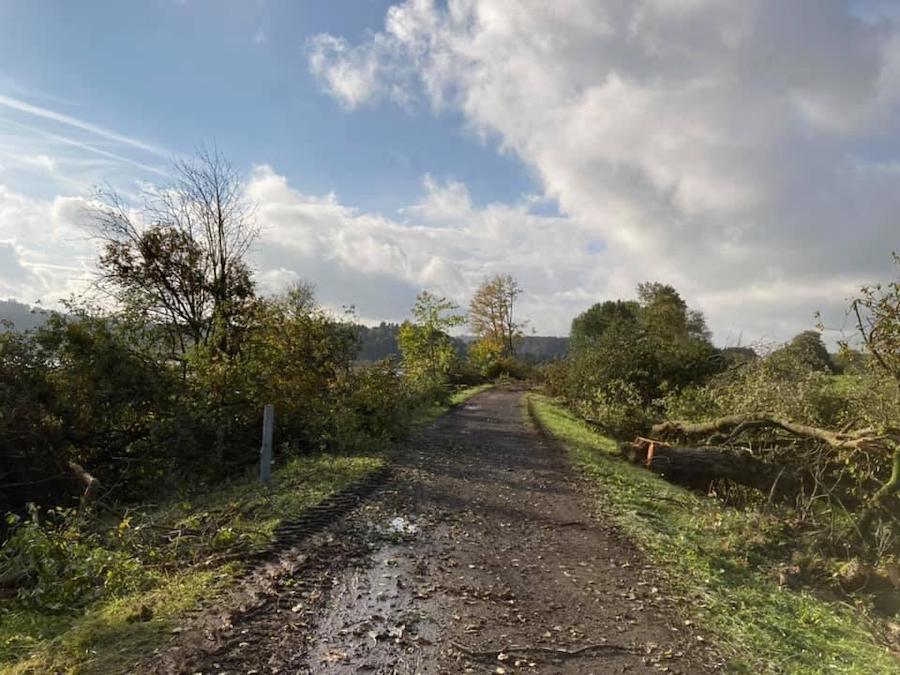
column 23, row 317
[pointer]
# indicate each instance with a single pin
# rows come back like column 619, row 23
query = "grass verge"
column 716, row 558
column 214, row 526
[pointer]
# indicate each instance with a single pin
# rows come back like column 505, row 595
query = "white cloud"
column 719, row 146
column 442, row 242
column 45, row 252
column 349, row 75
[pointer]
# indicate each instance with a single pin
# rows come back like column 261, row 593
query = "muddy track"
column 477, row 553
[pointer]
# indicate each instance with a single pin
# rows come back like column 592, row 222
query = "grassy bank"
column 186, row 550
column 721, row 561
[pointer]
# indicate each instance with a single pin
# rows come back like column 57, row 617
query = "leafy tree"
column 484, row 353
column 808, row 348
column 666, row 313
column 428, row 350
column 877, row 312
column 590, row 325
column 180, row 260
column 85, row 388
column 625, row 355
column 492, row 312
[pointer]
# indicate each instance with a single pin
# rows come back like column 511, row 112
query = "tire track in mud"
column 475, row 553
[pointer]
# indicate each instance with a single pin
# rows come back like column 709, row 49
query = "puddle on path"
column 401, row 525
column 379, row 617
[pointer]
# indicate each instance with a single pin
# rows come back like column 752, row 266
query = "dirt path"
column 479, row 555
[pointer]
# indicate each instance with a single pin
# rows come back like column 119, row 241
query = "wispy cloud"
column 86, row 147
column 108, row 134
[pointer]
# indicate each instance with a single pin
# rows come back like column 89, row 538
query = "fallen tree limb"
column 885, row 495
column 734, row 425
column 698, row 467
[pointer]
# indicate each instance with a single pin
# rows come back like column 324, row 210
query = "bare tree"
column 180, row 259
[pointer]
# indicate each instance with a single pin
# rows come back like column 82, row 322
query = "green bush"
column 617, row 408
column 508, row 366
column 627, row 355
column 61, row 566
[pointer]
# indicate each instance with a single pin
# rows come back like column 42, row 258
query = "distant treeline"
column 376, row 342
column 380, row 342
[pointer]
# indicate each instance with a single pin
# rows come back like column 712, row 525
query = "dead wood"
column 735, row 425
column 91, row 485
column 698, row 467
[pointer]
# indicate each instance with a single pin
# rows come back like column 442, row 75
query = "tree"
column 666, row 312
column 807, row 348
column 492, row 312
column 427, row 348
column 589, row 326
column 625, row 355
column 877, row 312
column 179, row 261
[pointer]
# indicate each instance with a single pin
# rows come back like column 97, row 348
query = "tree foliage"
column 428, row 351
column 807, row 348
column 625, row 355
column 168, row 386
column 590, row 326
column 492, row 313
column 179, row 261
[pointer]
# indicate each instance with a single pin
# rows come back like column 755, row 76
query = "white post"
column 265, row 454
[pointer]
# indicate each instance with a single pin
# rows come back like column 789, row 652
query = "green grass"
column 720, row 561
column 239, row 515
column 106, row 637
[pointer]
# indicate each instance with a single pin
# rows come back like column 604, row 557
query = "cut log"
column 697, row 468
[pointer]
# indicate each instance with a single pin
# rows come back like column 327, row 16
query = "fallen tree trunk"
column 697, row 468
column 734, row 425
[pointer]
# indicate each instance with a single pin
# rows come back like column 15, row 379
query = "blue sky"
column 178, row 74
column 747, row 152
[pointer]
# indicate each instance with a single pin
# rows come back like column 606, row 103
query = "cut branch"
column 91, row 485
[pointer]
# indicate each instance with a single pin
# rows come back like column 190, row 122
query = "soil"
column 480, row 553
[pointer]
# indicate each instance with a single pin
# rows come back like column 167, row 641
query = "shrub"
column 508, row 366
column 62, row 566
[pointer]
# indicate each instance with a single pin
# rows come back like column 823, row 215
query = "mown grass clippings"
column 718, row 559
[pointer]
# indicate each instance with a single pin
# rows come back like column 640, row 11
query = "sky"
column 745, row 151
